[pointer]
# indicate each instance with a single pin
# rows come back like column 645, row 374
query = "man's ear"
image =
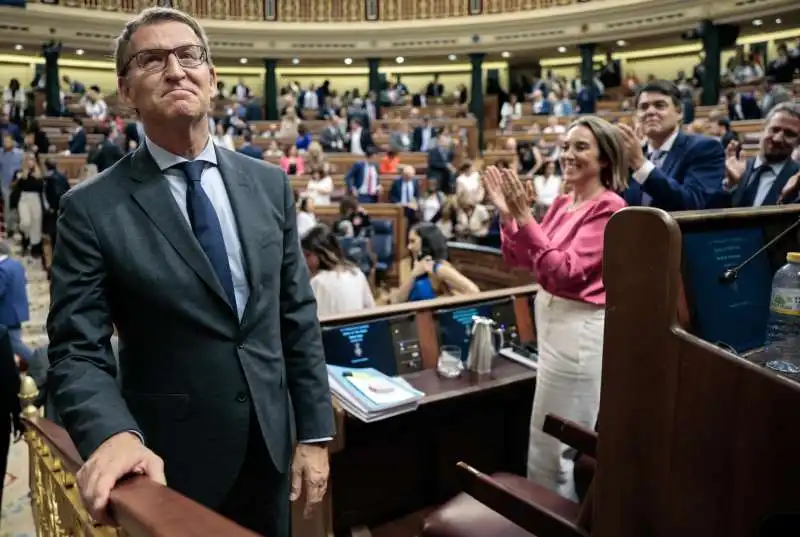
column 212, row 80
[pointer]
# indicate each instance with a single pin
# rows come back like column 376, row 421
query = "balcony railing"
column 142, row 507
column 320, row 11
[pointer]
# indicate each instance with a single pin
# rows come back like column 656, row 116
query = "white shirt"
column 766, row 179
column 643, row 173
column 97, row 109
column 214, row 187
column 341, row 291
column 426, row 138
column 470, row 184
column 320, row 191
column 407, row 191
column 310, row 100
column 305, row 221
column 429, row 206
column 355, row 142
column 547, row 189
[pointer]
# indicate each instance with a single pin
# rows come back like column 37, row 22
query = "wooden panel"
column 485, row 267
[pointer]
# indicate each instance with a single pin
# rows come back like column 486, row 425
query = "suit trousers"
column 259, row 498
column 570, row 341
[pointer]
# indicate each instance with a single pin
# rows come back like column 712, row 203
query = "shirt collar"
column 776, row 168
column 165, row 160
column 3, row 258
column 667, row 145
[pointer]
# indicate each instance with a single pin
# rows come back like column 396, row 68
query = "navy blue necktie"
column 206, row 226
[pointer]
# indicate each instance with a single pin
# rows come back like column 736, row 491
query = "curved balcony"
column 359, row 29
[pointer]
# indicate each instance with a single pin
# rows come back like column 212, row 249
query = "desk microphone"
column 731, row 274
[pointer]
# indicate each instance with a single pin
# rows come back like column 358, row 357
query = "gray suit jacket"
column 192, row 371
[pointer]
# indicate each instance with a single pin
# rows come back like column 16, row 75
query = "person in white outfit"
column 29, row 182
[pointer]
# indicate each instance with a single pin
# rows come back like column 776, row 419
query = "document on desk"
column 369, row 395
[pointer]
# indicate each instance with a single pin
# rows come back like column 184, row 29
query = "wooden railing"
column 142, row 507
column 327, row 10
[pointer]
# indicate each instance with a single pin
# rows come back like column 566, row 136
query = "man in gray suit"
column 191, row 252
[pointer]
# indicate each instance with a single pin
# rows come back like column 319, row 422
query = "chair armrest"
column 572, row 434
column 529, row 516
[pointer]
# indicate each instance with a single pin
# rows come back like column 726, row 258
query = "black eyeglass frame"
column 166, row 53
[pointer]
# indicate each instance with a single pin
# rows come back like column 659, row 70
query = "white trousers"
column 30, row 216
column 570, row 341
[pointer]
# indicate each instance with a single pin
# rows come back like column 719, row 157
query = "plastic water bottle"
column 783, row 329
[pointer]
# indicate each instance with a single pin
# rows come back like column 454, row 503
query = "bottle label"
column 785, row 301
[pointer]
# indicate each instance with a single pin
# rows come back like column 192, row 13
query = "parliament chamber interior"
column 476, row 299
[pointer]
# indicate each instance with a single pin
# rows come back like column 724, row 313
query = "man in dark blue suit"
column 13, row 299
column 674, row 171
column 760, row 181
column 405, row 191
column 247, row 148
column 363, row 179
column 77, row 142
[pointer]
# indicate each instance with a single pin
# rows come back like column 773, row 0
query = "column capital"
column 476, row 57
column 270, row 63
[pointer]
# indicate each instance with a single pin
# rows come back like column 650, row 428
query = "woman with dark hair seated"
column 353, row 219
column 338, row 284
column 430, row 275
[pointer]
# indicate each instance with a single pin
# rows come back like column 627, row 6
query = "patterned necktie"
column 206, row 226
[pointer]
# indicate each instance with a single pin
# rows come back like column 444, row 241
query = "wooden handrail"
column 142, row 507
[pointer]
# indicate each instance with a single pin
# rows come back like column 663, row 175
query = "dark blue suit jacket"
column 77, row 144
column 355, row 177
column 13, row 294
column 789, row 169
column 690, row 177
column 396, row 190
column 251, row 151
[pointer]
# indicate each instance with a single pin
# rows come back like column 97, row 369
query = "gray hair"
column 149, row 17
column 788, row 107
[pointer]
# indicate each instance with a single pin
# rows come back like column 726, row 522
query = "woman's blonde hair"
column 615, row 174
column 37, row 168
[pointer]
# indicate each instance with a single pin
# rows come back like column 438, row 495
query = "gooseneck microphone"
column 732, row 273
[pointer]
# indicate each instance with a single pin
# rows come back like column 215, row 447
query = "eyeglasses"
column 150, row 60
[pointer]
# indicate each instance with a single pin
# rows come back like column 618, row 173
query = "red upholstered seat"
column 463, row 516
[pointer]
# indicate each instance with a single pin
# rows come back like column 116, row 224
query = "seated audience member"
column 304, row 138
column 721, row 128
column 428, row 274
column 676, row 171
column 250, row 149
column 223, row 138
column 77, row 140
column 358, row 140
column 290, row 124
column 565, row 252
column 339, row 285
column 405, row 191
column 292, row 163
column 320, row 187
column 546, row 188
column 431, row 201
column 353, row 219
column 468, row 183
column 331, row 138
column 511, row 110
column 400, row 140
column 759, row 181
column 440, row 163
column 273, row 150
column 389, row 163
column 472, row 219
column 363, row 178
column 305, row 215
column 423, row 137
column 315, row 158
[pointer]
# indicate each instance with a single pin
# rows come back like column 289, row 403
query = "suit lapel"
column 671, row 160
column 740, row 188
column 788, row 170
column 244, row 202
column 153, row 195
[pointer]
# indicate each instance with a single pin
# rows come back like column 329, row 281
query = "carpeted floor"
column 16, row 520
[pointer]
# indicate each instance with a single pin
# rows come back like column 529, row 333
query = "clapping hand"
column 493, row 185
column 519, row 197
column 633, row 146
column 734, row 164
column 791, row 190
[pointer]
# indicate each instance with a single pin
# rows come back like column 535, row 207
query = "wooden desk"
column 401, row 465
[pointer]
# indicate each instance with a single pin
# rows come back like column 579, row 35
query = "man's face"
column 657, row 114
column 172, row 91
column 780, row 137
column 8, row 143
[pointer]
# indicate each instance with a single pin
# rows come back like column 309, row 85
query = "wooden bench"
column 300, row 183
column 342, row 162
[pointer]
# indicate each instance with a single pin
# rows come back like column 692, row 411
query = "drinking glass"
column 449, row 364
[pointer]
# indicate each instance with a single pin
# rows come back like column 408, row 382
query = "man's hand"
column 791, row 190
column 310, row 470
column 632, row 145
column 735, row 165
column 120, row 455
